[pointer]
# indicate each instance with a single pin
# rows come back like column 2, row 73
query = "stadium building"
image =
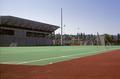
column 16, row 31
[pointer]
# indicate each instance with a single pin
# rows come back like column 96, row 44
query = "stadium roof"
column 15, row 22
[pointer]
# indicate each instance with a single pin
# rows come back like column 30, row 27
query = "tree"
column 118, row 39
column 108, row 39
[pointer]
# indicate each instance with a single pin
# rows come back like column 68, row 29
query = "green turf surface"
column 48, row 54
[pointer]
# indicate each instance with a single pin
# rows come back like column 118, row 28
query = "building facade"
column 16, row 31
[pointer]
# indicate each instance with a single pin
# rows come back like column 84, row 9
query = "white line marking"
column 8, row 62
column 53, row 58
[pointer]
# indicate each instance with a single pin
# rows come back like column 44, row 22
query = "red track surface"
column 102, row 66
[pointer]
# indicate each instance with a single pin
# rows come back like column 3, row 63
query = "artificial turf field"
column 48, row 54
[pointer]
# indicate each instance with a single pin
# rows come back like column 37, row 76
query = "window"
column 34, row 34
column 6, row 32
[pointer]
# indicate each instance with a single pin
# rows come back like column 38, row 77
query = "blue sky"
column 90, row 16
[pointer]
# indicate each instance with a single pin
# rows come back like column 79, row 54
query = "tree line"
column 86, row 39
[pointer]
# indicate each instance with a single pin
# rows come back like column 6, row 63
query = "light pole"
column 61, row 28
column 64, row 34
column 78, row 36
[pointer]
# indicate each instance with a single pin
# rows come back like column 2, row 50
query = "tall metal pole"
column 98, row 41
column 78, row 36
column 61, row 28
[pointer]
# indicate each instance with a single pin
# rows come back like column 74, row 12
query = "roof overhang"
column 11, row 21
